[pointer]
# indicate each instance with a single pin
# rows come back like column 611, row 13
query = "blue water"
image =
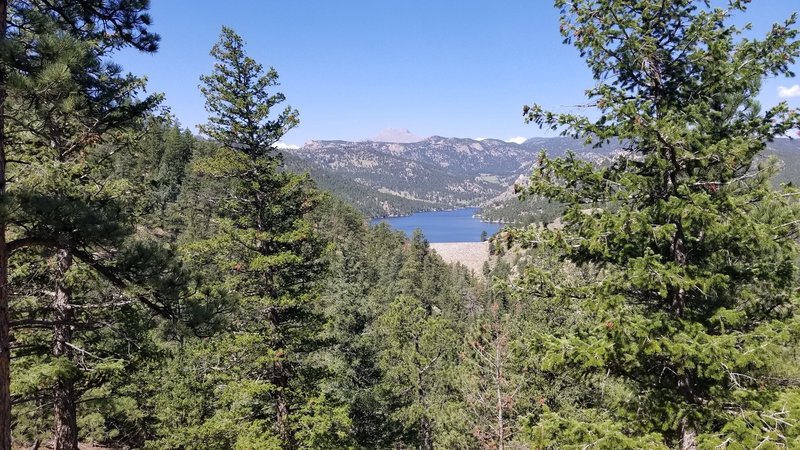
column 444, row 226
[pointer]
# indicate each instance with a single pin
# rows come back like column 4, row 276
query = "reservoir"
column 444, row 226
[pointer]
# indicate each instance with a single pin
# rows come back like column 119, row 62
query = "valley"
column 386, row 179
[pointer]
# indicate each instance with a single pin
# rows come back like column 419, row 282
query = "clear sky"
column 461, row 68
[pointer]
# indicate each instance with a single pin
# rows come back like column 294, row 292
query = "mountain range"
column 392, row 178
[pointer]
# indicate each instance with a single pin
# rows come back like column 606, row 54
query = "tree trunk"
column 688, row 435
column 685, row 383
column 498, row 377
column 280, row 379
column 64, row 410
column 425, row 434
column 5, row 338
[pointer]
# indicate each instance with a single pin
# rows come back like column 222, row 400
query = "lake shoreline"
column 446, row 226
column 373, row 219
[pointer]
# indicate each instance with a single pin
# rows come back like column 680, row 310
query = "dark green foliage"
column 393, row 308
column 418, row 331
column 178, row 292
column 92, row 20
column 698, row 252
column 257, row 260
column 68, row 215
column 157, row 165
column 240, row 102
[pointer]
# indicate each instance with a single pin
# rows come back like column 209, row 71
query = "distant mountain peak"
column 397, row 136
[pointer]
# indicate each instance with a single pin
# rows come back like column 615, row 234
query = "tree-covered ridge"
column 387, row 179
column 370, row 201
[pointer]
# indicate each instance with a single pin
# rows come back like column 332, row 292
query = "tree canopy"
column 165, row 290
column 698, row 252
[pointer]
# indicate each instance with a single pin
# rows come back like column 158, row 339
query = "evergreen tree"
column 85, row 20
column 157, row 164
column 418, row 346
column 490, row 383
column 259, row 259
column 698, row 253
column 239, row 99
column 362, row 280
column 63, row 100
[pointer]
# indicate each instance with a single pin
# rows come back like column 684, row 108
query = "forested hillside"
column 371, row 201
column 389, row 179
column 160, row 290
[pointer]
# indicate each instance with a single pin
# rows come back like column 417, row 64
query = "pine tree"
column 361, row 281
column 418, row 345
column 698, row 253
column 259, row 257
column 240, row 102
column 491, row 380
column 157, row 165
column 63, row 100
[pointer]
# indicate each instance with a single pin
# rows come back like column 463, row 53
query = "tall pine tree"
column 258, row 255
column 62, row 99
column 698, row 252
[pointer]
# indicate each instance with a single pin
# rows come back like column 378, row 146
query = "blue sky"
column 352, row 68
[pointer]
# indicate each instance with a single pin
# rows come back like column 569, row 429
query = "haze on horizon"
column 392, row 70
